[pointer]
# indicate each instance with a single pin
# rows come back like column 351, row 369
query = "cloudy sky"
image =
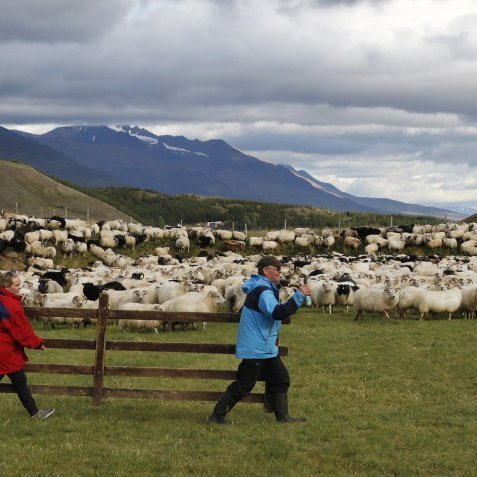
column 377, row 97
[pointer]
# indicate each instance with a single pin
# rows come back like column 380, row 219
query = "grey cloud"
column 57, row 20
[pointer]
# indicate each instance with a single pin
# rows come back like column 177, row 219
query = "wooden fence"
column 101, row 345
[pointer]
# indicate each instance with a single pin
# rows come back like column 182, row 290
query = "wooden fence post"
column 98, row 378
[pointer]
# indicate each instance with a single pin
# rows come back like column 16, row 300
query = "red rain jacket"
column 16, row 333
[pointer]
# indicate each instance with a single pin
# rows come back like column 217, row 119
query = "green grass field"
column 382, row 397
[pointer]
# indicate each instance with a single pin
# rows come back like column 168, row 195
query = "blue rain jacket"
column 261, row 317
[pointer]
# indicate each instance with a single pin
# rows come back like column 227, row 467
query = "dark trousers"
column 19, row 383
column 271, row 370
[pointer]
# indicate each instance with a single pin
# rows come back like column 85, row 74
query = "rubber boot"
column 280, row 404
column 225, row 403
column 267, row 402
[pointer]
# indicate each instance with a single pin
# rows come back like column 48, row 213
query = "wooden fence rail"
column 101, row 345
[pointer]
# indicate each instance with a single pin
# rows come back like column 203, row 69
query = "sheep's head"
column 79, row 301
column 216, row 297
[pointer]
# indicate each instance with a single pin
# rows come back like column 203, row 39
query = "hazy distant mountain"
column 385, row 206
column 177, row 165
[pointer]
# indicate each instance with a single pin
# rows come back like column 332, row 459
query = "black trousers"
column 271, row 370
column 19, row 383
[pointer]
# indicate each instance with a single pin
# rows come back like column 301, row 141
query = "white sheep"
column 371, row 249
column 224, row 234
column 119, row 297
column 286, row 236
column 182, row 243
column 236, row 235
column 328, row 241
column 255, row 241
column 440, row 301
column 64, row 300
column 269, row 245
column 42, row 263
column 235, row 297
column 60, row 236
column 375, row 300
column 409, row 298
column 469, row 301
column 141, row 324
column 68, row 247
column 195, row 302
column 323, row 294
column 81, row 248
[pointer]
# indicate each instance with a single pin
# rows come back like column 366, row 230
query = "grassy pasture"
column 382, row 397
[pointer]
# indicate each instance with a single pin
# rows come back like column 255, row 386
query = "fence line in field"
column 102, row 347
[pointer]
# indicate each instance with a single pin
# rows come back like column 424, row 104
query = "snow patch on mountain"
column 127, row 129
column 182, row 150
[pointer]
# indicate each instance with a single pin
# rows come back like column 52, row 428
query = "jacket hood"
column 257, row 281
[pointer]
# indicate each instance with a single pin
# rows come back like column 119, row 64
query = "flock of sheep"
column 376, row 281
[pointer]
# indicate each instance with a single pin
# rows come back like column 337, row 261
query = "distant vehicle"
column 215, row 225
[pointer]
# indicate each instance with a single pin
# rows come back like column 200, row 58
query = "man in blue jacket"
column 260, row 323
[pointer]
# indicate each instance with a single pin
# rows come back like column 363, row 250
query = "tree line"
column 155, row 208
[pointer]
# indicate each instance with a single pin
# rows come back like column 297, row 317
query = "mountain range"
column 105, row 156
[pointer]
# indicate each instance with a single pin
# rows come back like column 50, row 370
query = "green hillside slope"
column 30, row 192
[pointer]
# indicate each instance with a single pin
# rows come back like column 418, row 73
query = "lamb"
column 440, row 301
column 375, row 299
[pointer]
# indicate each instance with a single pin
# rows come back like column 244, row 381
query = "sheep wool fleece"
column 15, row 333
column 260, row 321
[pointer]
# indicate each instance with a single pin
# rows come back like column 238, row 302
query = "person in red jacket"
column 16, row 333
